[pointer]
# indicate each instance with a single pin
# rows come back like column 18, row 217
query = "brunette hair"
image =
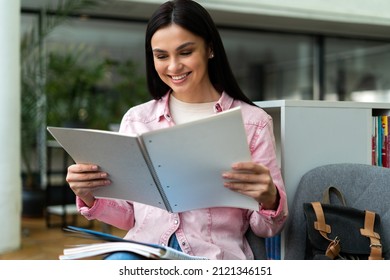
column 193, row 17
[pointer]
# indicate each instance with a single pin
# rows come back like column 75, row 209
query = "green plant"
column 33, row 79
column 128, row 88
column 70, row 86
column 91, row 93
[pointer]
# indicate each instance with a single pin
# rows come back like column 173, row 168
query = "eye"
column 160, row 56
column 186, row 53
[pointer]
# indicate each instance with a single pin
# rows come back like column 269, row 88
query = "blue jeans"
column 173, row 243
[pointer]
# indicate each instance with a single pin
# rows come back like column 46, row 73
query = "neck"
column 200, row 96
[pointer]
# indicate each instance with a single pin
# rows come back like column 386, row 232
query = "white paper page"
column 118, row 155
column 190, row 159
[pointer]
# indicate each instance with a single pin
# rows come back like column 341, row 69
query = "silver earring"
column 211, row 56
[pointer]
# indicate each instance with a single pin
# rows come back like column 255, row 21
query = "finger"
column 250, row 167
column 241, row 176
column 245, row 186
column 245, row 177
column 90, row 185
column 79, row 168
column 246, row 189
column 86, row 176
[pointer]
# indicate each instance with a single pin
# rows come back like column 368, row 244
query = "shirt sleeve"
column 266, row 222
column 115, row 212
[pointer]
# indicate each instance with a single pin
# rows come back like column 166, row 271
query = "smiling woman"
column 188, row 72
column 181, row 61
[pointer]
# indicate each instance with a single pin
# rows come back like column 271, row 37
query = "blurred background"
column 81, row 64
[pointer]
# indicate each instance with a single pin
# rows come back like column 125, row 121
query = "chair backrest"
column 365, row 187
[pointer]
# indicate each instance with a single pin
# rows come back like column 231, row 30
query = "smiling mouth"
column 179, row 77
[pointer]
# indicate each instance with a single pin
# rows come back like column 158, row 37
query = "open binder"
column 177, row 168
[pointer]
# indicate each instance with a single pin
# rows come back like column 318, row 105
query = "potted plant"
column 82, row 92
column 72, row 87
column 33, row 99
column 125, row 88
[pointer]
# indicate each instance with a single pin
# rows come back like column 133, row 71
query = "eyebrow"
column 183, row 46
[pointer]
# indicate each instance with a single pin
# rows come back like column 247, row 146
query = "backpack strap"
column 336, row 191
column 368, row 231
column 333, row 249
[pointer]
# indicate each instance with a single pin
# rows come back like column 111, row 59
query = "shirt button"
column 183, row 243
column 176, row 222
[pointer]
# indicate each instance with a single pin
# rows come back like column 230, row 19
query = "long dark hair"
column 194, row 18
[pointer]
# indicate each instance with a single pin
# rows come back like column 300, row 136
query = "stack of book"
column 111, row 244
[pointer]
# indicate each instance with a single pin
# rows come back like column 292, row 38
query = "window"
column 271, row 65
column 357, row 70
column 268, row 65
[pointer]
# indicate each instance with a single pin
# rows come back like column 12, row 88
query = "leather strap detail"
column 333, row 249
column 328, row 191
column 368, row 231
column 320, row 224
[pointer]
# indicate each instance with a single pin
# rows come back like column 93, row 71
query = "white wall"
column 10, row 182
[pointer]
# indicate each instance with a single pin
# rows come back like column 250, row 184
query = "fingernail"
column 225, row 175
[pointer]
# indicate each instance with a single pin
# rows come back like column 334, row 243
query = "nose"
column 174, row 65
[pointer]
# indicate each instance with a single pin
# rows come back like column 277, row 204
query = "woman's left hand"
column 254, row 180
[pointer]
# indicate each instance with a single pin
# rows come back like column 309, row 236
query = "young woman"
column 189, row 78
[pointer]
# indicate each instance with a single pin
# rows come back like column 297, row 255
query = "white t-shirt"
column 183, row 112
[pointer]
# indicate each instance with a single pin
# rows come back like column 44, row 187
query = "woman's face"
column 181, row 59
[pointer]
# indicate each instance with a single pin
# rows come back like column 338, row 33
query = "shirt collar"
column 224, row 103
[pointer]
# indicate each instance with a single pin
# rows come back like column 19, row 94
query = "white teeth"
column 179, row 77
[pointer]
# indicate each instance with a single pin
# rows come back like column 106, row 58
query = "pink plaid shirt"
column 216, row 233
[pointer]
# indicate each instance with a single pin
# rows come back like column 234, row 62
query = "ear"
column 211, row 53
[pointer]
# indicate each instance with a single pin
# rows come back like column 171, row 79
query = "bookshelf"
column 312, row 133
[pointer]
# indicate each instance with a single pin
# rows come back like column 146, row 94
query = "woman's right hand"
column 83, row 178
